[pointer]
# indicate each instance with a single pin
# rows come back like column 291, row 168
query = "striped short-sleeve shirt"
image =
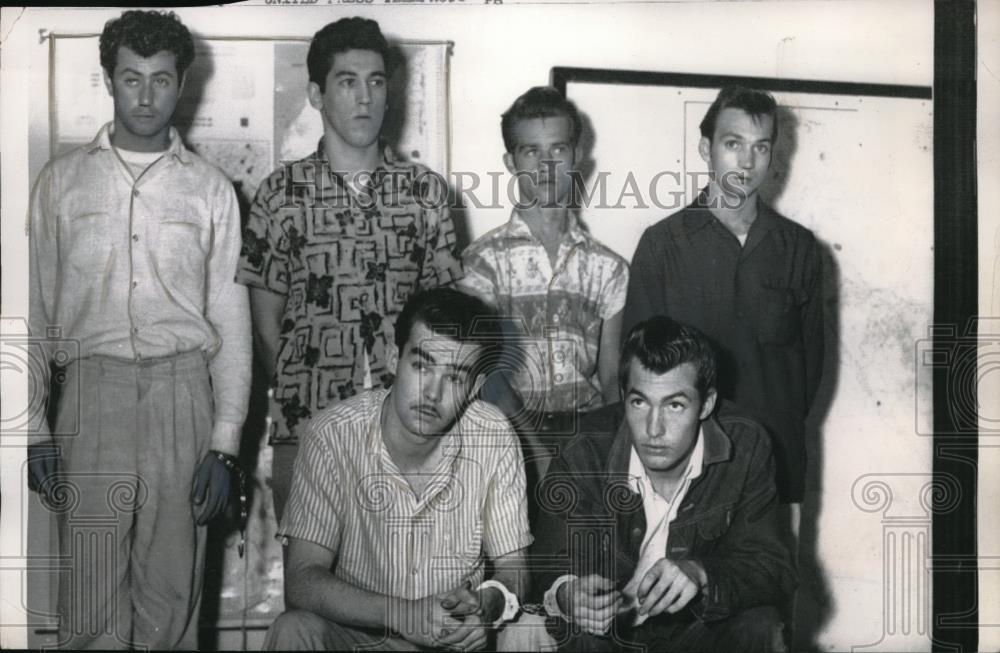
column 350, row 497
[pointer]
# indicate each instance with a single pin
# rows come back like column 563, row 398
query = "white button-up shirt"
column 139, row 268
column 660, row 512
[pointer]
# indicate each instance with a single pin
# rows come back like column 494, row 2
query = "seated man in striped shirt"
column 400, row 495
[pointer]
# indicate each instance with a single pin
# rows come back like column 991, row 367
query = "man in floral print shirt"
column 337, row 242
column 563, row 290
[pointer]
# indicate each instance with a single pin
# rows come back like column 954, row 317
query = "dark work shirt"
column 760, row 304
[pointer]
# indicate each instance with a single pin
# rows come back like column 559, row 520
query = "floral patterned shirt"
column 558, row 310
column 346, row 261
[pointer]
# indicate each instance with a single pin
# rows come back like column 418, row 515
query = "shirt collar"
column 698, row 215
column 638, row 478
column 176, row 147
column 388, row 156
column 518, row 228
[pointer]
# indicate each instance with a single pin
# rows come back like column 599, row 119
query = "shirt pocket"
column 701, row 535
column 181, row 245
column 778, row 314
column 90, row 241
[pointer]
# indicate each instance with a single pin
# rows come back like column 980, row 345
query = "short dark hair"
column 755, row 103
column 454, row 314
column 146, row 33
column 538, row 102
column 345, row 34
column 660, row 345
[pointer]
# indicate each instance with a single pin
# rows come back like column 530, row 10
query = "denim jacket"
column 591, row 521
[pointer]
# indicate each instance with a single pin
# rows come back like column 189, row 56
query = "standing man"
column 662, row 532
column 747, row 277
column 562, row 288
column 401, row 496
column 134, row 241
column 336, row 242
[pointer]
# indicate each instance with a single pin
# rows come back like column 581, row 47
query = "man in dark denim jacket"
column 659, row 520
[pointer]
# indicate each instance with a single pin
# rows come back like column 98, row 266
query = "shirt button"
column 135, row 237
column 135, row 329
column 135, row 283
column 135, row 192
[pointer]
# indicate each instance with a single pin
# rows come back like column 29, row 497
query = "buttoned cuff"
column 226, row 437
column 550, row 602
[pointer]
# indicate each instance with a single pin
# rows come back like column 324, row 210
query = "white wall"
column 502, row 50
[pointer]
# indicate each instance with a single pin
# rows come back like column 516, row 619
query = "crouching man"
column 662, row 533
column 399, row 496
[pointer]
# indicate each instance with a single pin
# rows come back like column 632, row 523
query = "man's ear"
column 477, row 385
column 315, row 96
column 392, row 358
column 705, row 149
column 708, row 405
column 508, row 160
column 180, row 84
column 108, row 84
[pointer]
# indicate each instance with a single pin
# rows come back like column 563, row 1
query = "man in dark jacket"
column 745, row 276
column 663, row 531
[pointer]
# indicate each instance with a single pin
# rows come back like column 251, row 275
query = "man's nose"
column 145, row 94
column 363, row 94
column 432, row 387
column 747, row 158
column 654, row 423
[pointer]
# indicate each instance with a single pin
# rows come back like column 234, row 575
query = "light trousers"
column 132, row 556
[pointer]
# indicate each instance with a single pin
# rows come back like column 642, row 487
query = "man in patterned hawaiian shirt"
column 337, row 242
column 563, row 289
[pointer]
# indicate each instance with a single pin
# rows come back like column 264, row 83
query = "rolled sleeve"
column 316, row 497
column 440, row 265
column 480, row 276
column 616, row 291
column 263, row 261
column 505, row 515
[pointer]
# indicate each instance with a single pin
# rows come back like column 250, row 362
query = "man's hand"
column 426, row 622
column 210, row 492
column 462, row 601
column 590, row 602
column 43, row 467
column 669, row 586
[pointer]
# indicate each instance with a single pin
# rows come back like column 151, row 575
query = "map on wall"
column 245, row 108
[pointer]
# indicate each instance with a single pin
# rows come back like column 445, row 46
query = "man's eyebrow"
column 419, row 352
column 680, row 393
column 157, row 73
column 742, row 138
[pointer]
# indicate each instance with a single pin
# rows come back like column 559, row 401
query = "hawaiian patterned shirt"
column 558, row 311
column 346, row 261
